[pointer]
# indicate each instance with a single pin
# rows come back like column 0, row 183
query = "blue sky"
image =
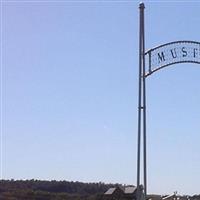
column 70, row 81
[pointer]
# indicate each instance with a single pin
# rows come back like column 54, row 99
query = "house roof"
column 110, row 191
column 129, row 190
column 125, row 190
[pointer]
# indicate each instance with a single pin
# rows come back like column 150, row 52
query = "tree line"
column 59, row 190
column 49, row 190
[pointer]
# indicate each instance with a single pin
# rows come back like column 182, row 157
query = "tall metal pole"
column 141, row 7
column 144, row 103
column 141, row 105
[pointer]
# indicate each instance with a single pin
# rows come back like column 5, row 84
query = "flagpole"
column 139, row 101
column 144, row 103
column 141, row 104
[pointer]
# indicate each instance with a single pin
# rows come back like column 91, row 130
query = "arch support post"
column 141, row 110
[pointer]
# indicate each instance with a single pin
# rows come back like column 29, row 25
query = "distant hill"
column 57, row 190
column 51, row 190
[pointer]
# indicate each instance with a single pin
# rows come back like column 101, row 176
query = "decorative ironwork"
column 172, row 53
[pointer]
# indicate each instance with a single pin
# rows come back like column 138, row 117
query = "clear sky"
column 70, row 86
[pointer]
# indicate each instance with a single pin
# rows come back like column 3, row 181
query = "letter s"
column 184, row 52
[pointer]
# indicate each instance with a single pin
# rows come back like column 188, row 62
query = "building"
column 121, row 193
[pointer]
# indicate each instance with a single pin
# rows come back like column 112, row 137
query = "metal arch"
column 159, row 57
column 152, row 71
column 169, row 43
column 149, row 53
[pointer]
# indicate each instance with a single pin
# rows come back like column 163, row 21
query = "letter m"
column 161, row 57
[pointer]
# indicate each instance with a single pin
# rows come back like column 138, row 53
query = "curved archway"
column 172, row 53
column 157, row 58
